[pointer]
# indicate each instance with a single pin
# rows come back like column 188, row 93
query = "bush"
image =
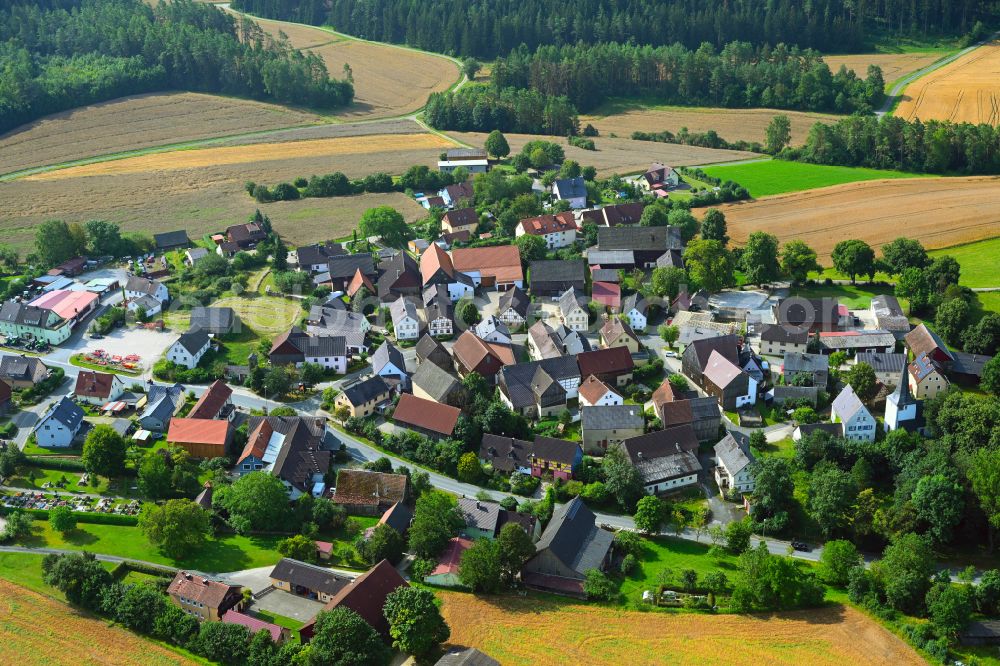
column 55, row 463
column 629, row 564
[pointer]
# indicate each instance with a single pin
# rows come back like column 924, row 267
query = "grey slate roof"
column 605, row 275
column 664, row 468
column 857, row 339
column 610, row 257
column 517, row 378
column 308, row 576
column 66, row 412
column 573, row 537
column 24, row 315
column 787, row 334
column 435, row 381
column 733, row 455
column 645, row 239
column 25, row 368
column 557, row 270
column 515, row 299
column 797, row 362
column 570, row 188
column 345, row 266
column 847, row 404
column 387, row 353
column 402, row 308
column 430, row 349
column 193, row 341
column 569, row 301
column 141, row 284
column 365, row 390
column 330, row 346
column 161, row 401
column 633, row 302
column 212, row 318
column 506, row 453
column 555, row 450
column 611, row 417
column 171, row 239
column 479, row 514
column 883, row 362
column 466, row 657
column 784, row 393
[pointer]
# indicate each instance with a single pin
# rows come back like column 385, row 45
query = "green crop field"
column 980, row 262
column 778, row 176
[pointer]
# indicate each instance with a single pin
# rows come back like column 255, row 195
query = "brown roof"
column 626, row 213
column 211, row 401
column 358, row 486
column 291, row 334
column 502, row 262
column 720, row 370
column 198, row 431
column 460, row 236
column 556, row 450
column 676, row 413
column 198, row 588
column 434, row 258
column 426, row 414
column 461, row 217
column 614, row 327
column 485, row 357
column 664, row 393
column 91, row 384
column 366, row 596
column 661, row 443
column 593, row 389
column 548, row 224
column 616, row 360
column 922, row 340
column 257, row 441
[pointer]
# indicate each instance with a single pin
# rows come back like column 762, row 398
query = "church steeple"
column 902, row 396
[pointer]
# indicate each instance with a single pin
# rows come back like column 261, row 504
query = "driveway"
column 287, row 604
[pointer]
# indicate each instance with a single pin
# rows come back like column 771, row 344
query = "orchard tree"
column 649, row 514
column 713, row 226
column 760, row 258
column 778, row 134
column 178, row 528
column 415, row 622
column 104, row 452
column 496, row 144
column 654, row 215
column 709, row 264
column 514, row 549
column 387, row 223
column 853, row 258
column 798, row 260
column 666, row 282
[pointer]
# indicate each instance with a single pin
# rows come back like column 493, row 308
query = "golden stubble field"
column 939, row 212
column 37, row 630
column 966, row 90
column 730, row 124
column 618, row 155
column 534, row 632
column 894, row 65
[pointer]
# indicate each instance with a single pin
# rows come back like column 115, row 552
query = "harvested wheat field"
column 966, row 90
column 894, row 65
column 508, row 630
column 35, row 629
column 388, row 80
column 621, row 156
column 134, row 123
column 331, row 149
column 938, row 212
column 730, row 124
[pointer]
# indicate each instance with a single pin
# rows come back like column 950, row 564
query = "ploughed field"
column 534, row 631
column 37, row 630
column 938, row 212
column 966, row 90
column 731, row 124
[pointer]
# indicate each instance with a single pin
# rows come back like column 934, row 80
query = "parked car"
column 801, row 546
column 670, row 354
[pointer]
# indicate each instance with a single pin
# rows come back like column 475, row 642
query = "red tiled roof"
column 434, row 258
column 471, row 352
column 91, row 384
column 426, row 414
column 198, row 431
column 252, row 623
column 502, row 262
column 366, row 597
column 451, row 557
column 359, row 280
column 197, row 587
column 593, row 389
column 603, row 361
column 607, row 293
column 257, row 441
column 211, row 401
column 548, row 224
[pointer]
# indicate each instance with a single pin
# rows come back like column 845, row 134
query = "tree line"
column 489, row 29
column 738, row 75
column 61, row 55
column 482, row 108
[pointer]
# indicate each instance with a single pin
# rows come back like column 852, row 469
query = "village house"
column 245, row 235
column 614, row 215
column 306, row 580
column 497, row 267
column 572, row 312
column 194, row 255
column 547, row 342
column 513, row 308
column 491, row 329
column 316, row 257
column 734, row 466
column 289, row 448
column 595, row 393
column 925, row 378
column 202, row 438
column 701, row 413
column 325, row 322
column 634, row 308
column 437, row 267
column 848, row 410
column 571, row 545
column 797, row 394
column 388, row 363
column 360, row 285
column 810, row 314
column 889, row 315
column 485, row 358
column 406, row 323
column 432, row 382
column 646, row 245
column 189, row 348
column 426, row 417
column 429, row 349
column 485, row 519
column 171, row 240
column 816, row 366
column 529, row 388
column 438, row 311
column 60, row 425
column 557, row 230
column 613, row 365
column 733, row 387
column 70, row 304
column 398, row 275
column 206, row 599
column 666, row 460
column 34, row 323
column 609, row 425
column 617, row 333
column 572, row 190
column 888, row 367
column 449, row 563
column 159, row 406
column 215, row 403
column 552, row 277
column 778, row 340
column 22, row 371
column 507, row 454
column 608, row 294
column 137, row 287
column 460, row 219
column 340, row 271
column 98, row 388
column 457, row 194
column 364, row 396
column 555, row 458
column 366, row 596
column 659, row 178
column 369, row 493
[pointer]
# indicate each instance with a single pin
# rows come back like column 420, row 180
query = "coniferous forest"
column 60, row 54
column 490, row 28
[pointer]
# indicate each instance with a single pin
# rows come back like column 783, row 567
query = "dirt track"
column 939, row 212
column 966, row 90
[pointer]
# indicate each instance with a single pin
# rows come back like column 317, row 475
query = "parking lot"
column 148, row 345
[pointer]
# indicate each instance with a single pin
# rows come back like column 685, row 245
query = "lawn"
column 31, row 448
column 779, row 176
column 989, row 301
column 978, row 261
column 53, row 476
column 855, row 297
column 266, row 315
column 784, row 448
column 237, row 347
column 676, row 555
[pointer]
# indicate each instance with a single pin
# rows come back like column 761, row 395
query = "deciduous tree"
column 798, row 260
column 853, row 258
column 104, row 452
column 415, row 622
column 178, row 528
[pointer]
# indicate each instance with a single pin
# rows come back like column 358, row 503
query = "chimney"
column 639, row 455
column 479, row 505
